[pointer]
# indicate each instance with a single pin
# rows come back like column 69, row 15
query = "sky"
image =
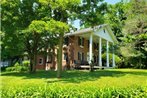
column 76, row 22
column 112, row 1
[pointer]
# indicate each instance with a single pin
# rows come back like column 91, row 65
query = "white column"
column 100, row 51
column 90, row 47
column 113, row 57
column 107, row 53
column 46, row 67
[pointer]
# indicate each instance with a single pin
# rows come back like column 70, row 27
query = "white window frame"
column 40, row 63
column 81, row 56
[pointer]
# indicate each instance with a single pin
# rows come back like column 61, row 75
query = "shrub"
column 18, row 68
column 26, row 63
column 3, row 68
column 10, row 69
column 118, row 60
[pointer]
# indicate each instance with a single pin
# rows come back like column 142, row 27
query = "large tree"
column 135, row 31
column 115, row 17
column 91, row 12
column 61, row 13
column 12, row 46
column 33, row 37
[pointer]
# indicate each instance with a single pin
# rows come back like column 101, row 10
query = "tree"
column 33, row 36
column 115, row 17
column 91, row 12
column 12, row 46
column 24, row 13
column 16, row 16
column 59, row 28
column 61, row 13
column 135, row 31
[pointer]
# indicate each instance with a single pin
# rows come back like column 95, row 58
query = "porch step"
column 88, row 67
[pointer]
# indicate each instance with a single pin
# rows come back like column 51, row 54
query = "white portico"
column 101, row 34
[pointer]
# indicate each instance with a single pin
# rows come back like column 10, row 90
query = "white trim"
column 100, row 51
column 107, row 53
column 40, row 63
column 95, row 29
column 90, row 47
column 113, row 57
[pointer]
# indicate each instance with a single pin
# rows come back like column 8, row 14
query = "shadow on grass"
column 74, row 76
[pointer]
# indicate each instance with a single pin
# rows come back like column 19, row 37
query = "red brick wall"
column 72, row 49
column 40, row 66
column 83, row 49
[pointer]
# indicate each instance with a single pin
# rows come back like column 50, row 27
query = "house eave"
column 89, row 30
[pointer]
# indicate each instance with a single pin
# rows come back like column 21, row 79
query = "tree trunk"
column 59, row 65
column 31, row 64
column 35, row 62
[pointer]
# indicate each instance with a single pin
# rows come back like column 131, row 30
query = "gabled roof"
column 96, row 28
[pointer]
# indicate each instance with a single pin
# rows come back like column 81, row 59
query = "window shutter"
column 79, row 40
column 67, row 41
column 82, row 56
column 78, row 56
column 88, row 43
column 82, row 41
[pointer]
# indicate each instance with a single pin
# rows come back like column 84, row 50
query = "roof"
column 88, row 30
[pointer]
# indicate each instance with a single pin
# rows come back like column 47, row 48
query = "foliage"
column 33, row 36
column 123, row 83
column 15, row 16
column 26, row 63
column 61, row 12
column 91, row 13
column 10, row 69
column 116, row 17
column 17, row 68
column 57, row 27
column 128, row 21
column 135, row 34
column 118, row 60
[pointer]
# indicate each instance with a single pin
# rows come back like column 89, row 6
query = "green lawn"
column 102, row 83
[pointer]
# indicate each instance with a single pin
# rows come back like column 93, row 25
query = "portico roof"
column 104, row 31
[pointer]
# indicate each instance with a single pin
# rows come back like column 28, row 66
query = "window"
column 49, row 58
column 81, row 41
column 40, row 61
column 66, row 41
column 65, row 56
column 80, row 56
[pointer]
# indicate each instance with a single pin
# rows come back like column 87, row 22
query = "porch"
column 94, row 67
column 101, row 35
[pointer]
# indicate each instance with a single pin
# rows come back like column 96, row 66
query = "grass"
column 101, row 83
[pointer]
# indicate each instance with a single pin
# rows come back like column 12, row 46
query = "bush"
column 3, row 68
column 118, row 60
column 10, row 69
column 26, row 63
column 18, row 68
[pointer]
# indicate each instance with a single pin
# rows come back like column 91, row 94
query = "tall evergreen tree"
column 135, row 31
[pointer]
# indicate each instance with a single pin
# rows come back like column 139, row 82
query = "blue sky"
column 112, row 1
column 77, row 24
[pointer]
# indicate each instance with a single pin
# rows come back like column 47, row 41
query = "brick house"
column 81, row 48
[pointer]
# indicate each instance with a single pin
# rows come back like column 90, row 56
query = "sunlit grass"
column 76, row 81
